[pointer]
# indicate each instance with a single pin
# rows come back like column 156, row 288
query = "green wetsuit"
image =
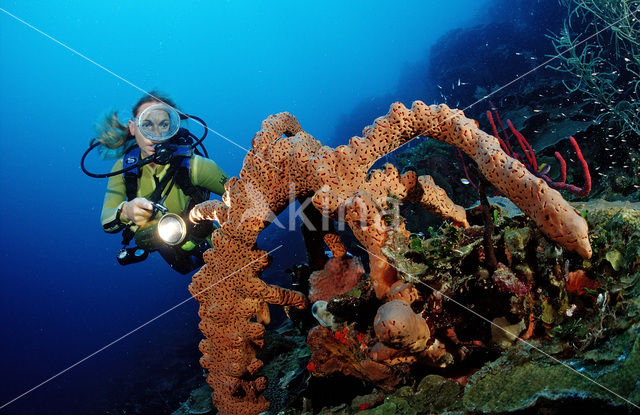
column 204, row 173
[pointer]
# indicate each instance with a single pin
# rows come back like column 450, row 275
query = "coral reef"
column 338, row 276
column 603, row 64
column 347, row 352
column 529, row 157
column 583, row 349
column 280, row 170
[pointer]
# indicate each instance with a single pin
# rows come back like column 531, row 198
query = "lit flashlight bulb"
column 172, row 229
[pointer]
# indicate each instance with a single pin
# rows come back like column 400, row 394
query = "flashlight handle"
column 158, row 206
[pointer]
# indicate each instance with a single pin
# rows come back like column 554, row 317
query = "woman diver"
column 159, row 174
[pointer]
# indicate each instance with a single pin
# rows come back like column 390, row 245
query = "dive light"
column 172, row 229
column 169, row 229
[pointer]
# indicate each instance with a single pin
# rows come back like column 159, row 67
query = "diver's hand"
column 137, row 211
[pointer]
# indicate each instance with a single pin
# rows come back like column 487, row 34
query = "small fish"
column 464, row 181
column 594, row 73
column 537, row 110
column 518, row 53
column 289, row 377
column 458, row 81
column 438, row 86
column 544, row 169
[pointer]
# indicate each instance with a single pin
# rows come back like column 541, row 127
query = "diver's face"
column 155, row 123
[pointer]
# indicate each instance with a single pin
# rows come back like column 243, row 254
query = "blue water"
column 62, row 294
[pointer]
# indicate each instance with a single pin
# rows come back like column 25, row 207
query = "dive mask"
column 158, row 122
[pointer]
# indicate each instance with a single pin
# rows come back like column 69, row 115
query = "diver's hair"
column 153, row 96
column 111, row 132
column 114, row 135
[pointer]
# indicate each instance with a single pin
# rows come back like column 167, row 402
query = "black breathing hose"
column 140, row 163
column 197, row 142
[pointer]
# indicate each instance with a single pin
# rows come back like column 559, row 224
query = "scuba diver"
column 159, row 175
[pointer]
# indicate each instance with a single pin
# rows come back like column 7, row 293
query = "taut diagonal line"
column 511, row 334
column 129, row 82
column 134, row 330
column 427, row 132
column 552, row 58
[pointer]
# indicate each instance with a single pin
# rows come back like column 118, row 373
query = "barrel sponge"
column 397, row 326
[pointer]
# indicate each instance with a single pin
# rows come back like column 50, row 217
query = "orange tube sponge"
column 546, row 206
column 286, row 164
column 335, row 244
column 231, row 293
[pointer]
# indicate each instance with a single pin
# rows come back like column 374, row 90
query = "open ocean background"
column 336, row 65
